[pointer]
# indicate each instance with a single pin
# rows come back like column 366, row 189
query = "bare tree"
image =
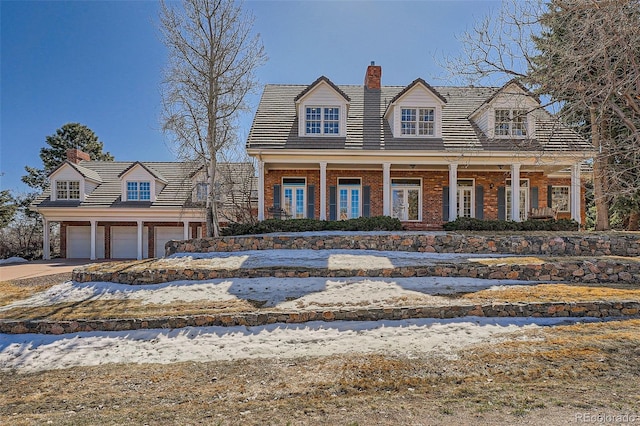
column 584, row 55
column 213, row 57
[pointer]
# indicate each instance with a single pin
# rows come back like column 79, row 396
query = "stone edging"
column 535, row 245
column 581, row 271
column 548, row 309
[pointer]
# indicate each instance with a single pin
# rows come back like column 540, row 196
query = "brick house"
column 424, row 154
column 124, row 209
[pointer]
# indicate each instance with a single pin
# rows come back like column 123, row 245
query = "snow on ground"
column 331, row 259
column 13, row 260
column 280, row 293
column 31, row 352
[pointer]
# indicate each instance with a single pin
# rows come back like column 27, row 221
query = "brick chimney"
column 75, row 155
column 373, row 77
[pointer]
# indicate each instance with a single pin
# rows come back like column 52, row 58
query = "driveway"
column 38, row 268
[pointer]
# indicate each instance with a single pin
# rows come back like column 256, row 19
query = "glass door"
column 405, row 199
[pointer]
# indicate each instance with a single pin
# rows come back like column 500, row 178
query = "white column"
column 46, row 240
column 94, row 230
column 260, row 190
column 139, row 240
column 515, row 192
column 186, row 229
column 323, row 191
column 386, row 188
column 453, row 191
column 575, row 193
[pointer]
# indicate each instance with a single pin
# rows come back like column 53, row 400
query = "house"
column 123, row 210
column 424, row 154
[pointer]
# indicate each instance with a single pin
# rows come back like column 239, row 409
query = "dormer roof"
column 413, row 84
column 84, row 172
column 320, row 80
column 149, row 170
column 502, row 90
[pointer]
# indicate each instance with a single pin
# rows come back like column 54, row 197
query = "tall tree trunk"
column 634, row 220
column 599, row 168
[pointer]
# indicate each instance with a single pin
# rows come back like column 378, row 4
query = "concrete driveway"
column 38, row 268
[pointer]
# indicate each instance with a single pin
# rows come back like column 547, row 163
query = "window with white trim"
column 560, row 198
column 406, row 199
column 417, row 121
column 202, row 191
column 466, row 198
column 138, row 191
column 68, row 190
column 294, row 197
column 511, row 122
column 523, row 199
column 322, row 120
column 349, row 202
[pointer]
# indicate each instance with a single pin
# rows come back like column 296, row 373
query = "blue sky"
column 100, row 63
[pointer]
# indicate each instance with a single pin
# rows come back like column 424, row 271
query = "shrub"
column 378, row 223
column 472, row 224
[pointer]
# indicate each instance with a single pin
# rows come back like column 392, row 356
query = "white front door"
column 523, row 199
column 405, row 203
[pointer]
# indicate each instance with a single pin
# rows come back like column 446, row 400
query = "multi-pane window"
column 322, row 120
column 417, row 121
column 560, row 198
column 523, row 199
column 294, row 197
column 465, row 198
column 138, row 191
column 511, row 122
column 68, row 190
column 202, row 191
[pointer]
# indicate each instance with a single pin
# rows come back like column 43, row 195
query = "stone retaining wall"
column 538, row 245
column 553, row 309
column 580, row 271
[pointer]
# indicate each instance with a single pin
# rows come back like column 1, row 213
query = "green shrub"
column 378, row 223
column 472, row 224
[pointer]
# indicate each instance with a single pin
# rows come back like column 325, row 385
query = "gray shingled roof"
column 275, row 125
column 176, row 193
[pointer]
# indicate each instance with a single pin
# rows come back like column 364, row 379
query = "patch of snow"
column 14, row 259
column 32, row 352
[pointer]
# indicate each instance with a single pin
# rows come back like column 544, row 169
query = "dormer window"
column 322, row 120
column 138, row 191
column 417, row 121
column 68, row 190
column 202, row 191
column 511, row 122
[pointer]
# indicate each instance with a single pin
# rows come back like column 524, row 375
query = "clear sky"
column 100, row 63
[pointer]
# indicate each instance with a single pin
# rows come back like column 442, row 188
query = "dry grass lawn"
column 549, row 377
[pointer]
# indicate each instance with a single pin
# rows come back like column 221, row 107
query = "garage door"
column 124, row 244
column 164, row 234
column 79, row 242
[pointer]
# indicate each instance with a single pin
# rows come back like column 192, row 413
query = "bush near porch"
column 472, row 224
column 378, row 223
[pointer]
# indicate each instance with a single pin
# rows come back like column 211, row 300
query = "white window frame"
column 524, row 188
column 349, row 188
column 138, row 190
column 66, row 191
column 198, row 195
column 418, row 124
column 522, row 130
column 568, row 199
column 294, row 187
column 406, row 188
column 459, row 204
column 324, row 121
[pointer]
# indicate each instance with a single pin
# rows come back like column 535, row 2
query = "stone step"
column 549, row 309
column 360, row 263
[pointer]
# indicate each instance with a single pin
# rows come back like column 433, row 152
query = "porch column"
column 46, row 240
column 186, row 229
column 260, row 190
column 386, row 189
column 94, row 230
column 323, row 190
column 575, row 193
column 453, row 191
column 515, row 192
column 139, row 240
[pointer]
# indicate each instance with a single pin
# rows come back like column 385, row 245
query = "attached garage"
column 79, row 242
column 124, row 242
column 165, row 234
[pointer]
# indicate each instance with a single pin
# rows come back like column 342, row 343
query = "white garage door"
column 79, row 242
column 164, row 234
column 124, row 244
